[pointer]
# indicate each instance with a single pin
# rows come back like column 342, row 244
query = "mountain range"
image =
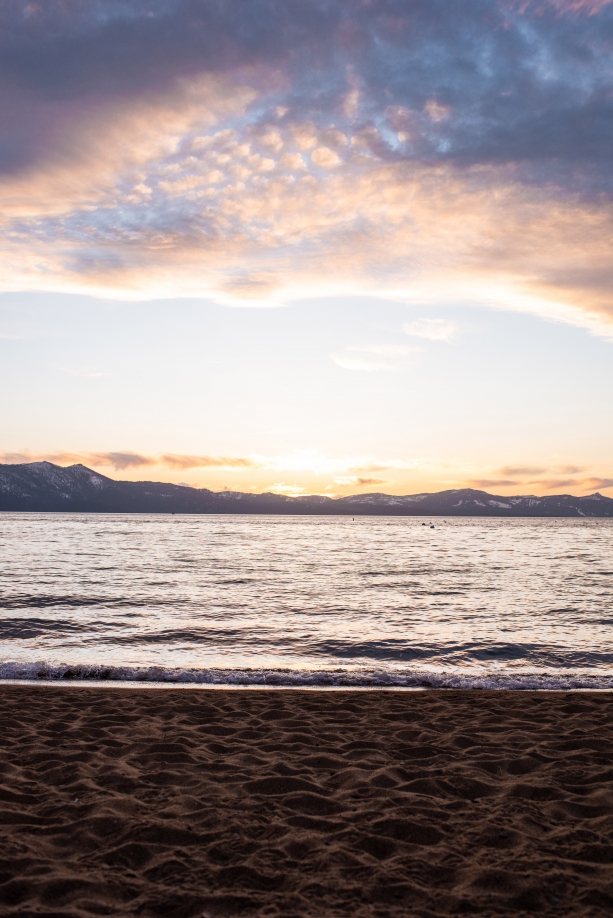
column 45, row 487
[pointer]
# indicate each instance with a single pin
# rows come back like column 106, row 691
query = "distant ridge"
column 44, row 487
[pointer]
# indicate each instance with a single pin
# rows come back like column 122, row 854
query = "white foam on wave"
column 337, row 678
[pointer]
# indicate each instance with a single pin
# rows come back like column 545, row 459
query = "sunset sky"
column 311, row 247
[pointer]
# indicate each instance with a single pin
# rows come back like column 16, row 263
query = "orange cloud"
column 493, row 483
column 584, row 484
column 127, row 460
column 545, row 484
column 174, row 461
column 249, row 235
column 116, row 460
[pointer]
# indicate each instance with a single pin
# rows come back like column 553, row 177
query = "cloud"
column 597, row 483
column 374, row 358
column 121, row 460
column 357, row 482
column 432, row 329
column 493, row 483
column 555, row 484
column 301, row 461
column 523, row 471
column 584, row 484
column 128, row 460
column 258, row 152
column 174, row 461
column 506, row 106
column 520, row 471
column 591, row 7
column 116, row 460
column 545, row 484
column 325, row 157
column 282, row 488
column 16, row 458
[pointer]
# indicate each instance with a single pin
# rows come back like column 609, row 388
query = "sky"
column 310, row 247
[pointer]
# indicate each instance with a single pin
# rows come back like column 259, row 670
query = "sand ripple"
column 278, row 803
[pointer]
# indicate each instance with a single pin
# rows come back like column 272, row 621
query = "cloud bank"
column 121, row 461
column 258, row 151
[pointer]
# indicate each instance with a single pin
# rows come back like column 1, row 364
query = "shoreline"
column 103, row 685
column 363, row 679
column 299, row 681
column 296, row 804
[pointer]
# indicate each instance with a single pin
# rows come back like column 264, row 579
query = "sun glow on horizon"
column 321, row 475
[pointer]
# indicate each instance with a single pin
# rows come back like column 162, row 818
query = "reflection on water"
column 307, row 593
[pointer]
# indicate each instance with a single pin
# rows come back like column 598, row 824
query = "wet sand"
column 294, row 803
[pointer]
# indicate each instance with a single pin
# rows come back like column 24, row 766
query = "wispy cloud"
column 588, row 484
column 431, row 329
column 310, row 461
column 374, row 358
column 521, row 471
column 281, row 487
column 174, row 461
column 374, row 467
column 116, row 460
column 493, row 483
column 353, row 481
column 127, row 460
column 584, row 484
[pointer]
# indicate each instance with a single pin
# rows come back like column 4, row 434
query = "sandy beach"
column 188, row 803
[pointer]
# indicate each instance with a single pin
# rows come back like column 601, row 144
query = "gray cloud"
column 121, row 460
column 526, row 470
column 481, row 81
column 520, row 471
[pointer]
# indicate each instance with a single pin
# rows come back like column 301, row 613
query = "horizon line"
column 306, row 496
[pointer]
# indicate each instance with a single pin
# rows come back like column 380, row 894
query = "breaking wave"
column 288, row 678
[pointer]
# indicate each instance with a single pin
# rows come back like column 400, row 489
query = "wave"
column 299, row 678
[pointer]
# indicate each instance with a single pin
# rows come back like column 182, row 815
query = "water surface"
column 307, row 600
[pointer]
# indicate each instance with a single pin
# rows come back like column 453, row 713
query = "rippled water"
column 307, row 599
